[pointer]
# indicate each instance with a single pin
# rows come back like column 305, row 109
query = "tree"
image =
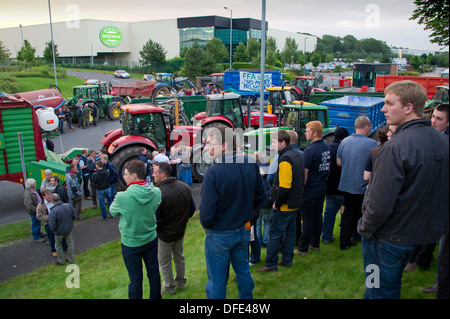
column 434, row 14
column 290, row 53
column 152, row 52
column 416, row 62
column 4, row 52
column 241, row 55
column 217, row 49
column 26, row 53
column 315, row 59
column 199, row 62
column 253, row 48
column 48, row 54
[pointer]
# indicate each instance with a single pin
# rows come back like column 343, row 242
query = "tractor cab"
column 224, row 109
column 296, row 116
column 278, row 96
column 145, row 120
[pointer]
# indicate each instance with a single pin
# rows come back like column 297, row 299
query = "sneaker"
column 314, row 248
column 40, row 240
column 432, row 289
column 328, row 241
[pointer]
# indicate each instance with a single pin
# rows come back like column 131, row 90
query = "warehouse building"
column 117, row 42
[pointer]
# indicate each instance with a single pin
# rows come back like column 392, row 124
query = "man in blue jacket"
column 231, row 190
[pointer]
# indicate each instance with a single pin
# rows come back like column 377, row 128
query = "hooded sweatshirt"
column 136, row 207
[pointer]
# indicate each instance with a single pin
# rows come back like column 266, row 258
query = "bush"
column 9, row 84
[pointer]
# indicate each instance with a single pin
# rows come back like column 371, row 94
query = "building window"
column 189, row 36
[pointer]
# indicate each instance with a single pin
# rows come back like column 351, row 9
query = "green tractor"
column 94, row 95
column 292, row 117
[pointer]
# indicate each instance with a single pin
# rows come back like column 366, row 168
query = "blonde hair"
column 409, row 92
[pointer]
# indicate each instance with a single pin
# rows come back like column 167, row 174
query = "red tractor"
column 144, row 125
column 225, row 109
column 303, row 86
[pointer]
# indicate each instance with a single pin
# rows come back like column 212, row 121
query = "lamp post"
column 231, row 35
column 53, row 46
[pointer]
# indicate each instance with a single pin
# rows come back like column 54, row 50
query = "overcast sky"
column 385, row 20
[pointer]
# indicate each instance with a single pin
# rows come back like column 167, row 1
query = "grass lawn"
column 326, row 274
column 38, row 83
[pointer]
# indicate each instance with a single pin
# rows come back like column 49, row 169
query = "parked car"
column 121, row 74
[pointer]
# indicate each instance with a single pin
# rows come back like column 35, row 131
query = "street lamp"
column 231, row 35
column 53, row 44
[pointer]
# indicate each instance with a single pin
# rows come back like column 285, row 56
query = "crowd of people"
column 392, row 196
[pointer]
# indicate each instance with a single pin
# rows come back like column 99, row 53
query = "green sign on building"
column 110, row 36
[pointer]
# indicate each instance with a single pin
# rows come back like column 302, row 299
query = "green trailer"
column 19, row 121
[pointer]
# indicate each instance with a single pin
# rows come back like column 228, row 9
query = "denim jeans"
column 132, row 257
column 101, row 193
column 282, row 224
column 333, row 205
column 221, row 249
column 384, row 263
column 263, row 232
column 35, row 227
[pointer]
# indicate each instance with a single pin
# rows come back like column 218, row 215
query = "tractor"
column 107, row 105
column 144, row 125
column 226, row 109
column 293, row 117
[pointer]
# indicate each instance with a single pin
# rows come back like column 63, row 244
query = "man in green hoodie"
column 136, row 207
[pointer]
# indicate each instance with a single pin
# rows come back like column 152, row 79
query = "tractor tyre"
column 123, row 156
column 165, row 90
column 113, row 111
column 202, row 162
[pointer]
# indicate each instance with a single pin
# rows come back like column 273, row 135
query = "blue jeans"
column 221, row 249
column 35, row 227
column 390, row 259
column 333, row 205
column 101, row 193
column 282, row 224
column 132, row 257
column 264, row 217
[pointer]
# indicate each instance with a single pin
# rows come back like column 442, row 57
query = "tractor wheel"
column 120, row 158
column 113, row 111
column 201, row 163
column 165, row 90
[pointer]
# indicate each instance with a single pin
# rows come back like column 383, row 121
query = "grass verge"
column 326, row 274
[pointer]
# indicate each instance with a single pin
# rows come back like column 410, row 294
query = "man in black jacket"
column 407, row 202
column 59, row 189
column 101, row 182
column 177, row 206
column 287, row 194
